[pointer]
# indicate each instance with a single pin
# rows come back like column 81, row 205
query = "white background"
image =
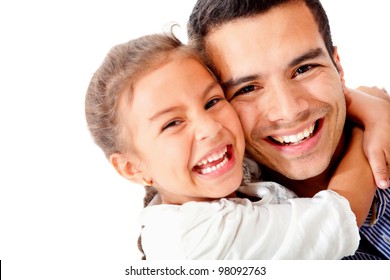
column 64, row 212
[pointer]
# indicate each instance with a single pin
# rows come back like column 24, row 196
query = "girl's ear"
column 127, row 167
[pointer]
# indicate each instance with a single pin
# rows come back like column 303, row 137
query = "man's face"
column 285, row 88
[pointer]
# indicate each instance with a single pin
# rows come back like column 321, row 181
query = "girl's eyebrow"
column 176, row 107
column 162, row 112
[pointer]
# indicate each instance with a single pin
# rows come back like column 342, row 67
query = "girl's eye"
column 303, row 69
column 171, row 124
column 212, row 102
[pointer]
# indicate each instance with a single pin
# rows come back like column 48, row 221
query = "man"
column 282, row 74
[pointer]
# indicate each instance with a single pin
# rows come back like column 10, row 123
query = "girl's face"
column 187, row 137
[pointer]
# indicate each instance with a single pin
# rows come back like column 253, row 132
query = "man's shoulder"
column 376, row 228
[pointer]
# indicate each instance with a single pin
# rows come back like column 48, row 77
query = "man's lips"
column 297, row 138
column 214, row 161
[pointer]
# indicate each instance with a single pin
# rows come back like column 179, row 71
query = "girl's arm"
column 370, row 107
column 353, row 178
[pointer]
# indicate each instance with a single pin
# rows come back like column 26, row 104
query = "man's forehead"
column 293, row 15
column 235, row 42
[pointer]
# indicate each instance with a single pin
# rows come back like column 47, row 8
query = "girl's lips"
column 213, row 158
column 216, row 165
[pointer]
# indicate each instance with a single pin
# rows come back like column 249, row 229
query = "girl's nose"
column 207, row 128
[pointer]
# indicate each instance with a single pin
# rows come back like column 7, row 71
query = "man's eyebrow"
column 175, row 107
column 235, row 82
column 311, row 54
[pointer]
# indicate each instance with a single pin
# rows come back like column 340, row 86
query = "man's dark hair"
column 208, row 15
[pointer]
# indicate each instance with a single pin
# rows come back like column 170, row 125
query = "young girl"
column 162, row 120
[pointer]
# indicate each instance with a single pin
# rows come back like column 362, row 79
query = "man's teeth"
column 293, row 139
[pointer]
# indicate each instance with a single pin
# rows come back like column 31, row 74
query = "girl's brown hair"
column 114, row 79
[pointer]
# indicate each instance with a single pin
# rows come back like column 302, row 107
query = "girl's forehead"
column 179, row 81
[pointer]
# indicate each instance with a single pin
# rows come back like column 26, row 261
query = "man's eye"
column 246, row 89
column 243, row 91
column 212, row 102
column 303, row 69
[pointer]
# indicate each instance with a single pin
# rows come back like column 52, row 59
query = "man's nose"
column 285, row 102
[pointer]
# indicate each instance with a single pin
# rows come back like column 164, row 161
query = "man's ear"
column 127, row 167
column 336, row 59
column 340, row 69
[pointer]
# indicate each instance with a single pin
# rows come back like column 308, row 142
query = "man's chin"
column 304, row 172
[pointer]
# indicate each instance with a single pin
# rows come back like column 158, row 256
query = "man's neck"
column 309, row 187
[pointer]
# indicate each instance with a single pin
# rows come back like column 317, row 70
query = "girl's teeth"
column 213, row 157
column 213, row 168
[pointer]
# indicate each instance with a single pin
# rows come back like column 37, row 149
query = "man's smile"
column 296, row 138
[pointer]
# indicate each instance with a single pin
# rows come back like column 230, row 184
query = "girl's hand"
column 372, row 110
